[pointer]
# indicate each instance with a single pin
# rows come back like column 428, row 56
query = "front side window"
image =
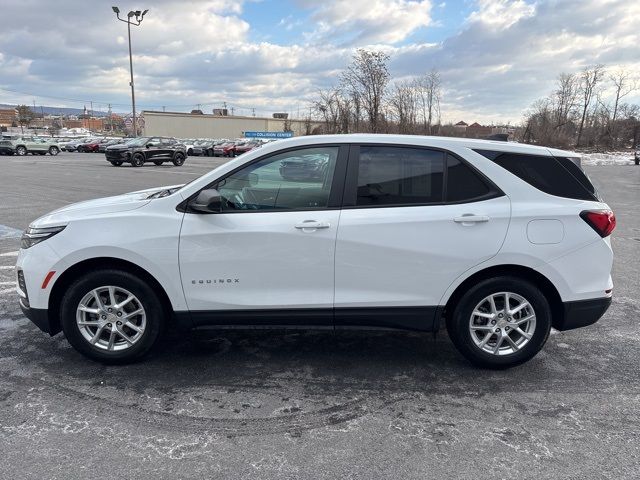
column 399, row 176
column 295, row 180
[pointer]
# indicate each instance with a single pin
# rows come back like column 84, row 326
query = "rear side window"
column 463, row 184
column 549, row 174
column 399, row 176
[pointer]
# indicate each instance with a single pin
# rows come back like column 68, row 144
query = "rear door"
column 414, row 219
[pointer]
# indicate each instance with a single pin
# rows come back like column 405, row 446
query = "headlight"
column 36, row 235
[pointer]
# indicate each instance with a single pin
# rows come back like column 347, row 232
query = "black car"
column 137, row 151
column 308, row 167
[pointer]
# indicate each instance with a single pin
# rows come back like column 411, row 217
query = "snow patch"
column 608, row 158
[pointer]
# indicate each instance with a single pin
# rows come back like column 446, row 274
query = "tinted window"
column 399, row 176
column 296, row 180
column 544, row 173
column 463, row 183
column 579, row 175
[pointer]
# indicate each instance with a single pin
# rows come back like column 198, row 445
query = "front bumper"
column 117, row 155
column 582, row 313
column 40, row 316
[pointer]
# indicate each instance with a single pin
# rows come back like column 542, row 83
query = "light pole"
column 139, row 17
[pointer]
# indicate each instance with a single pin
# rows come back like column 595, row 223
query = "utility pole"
column 139, row 17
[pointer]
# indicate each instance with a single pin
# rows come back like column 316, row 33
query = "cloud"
column 502, row 56
column 368, row 21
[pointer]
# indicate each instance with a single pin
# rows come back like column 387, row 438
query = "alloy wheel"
column 502, row 323
column 111, row 318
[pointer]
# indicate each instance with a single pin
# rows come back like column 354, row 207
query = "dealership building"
column 221, row 125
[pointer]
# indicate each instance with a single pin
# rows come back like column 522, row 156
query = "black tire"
column 54, row 151
column 158, row 162
column 178, row 159
column 458, row 322
column 637, row 161
column 149, row 300
column 116, row 163
column 21, row 150
column 42, row 153
column 190, row 152
column 137, row 160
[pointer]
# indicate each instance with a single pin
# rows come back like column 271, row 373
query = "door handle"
column 470, row 219
column 312, row 224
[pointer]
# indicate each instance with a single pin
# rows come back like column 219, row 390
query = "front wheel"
column 500, row 322
column 54, row 151
column 116, row 163
column 178, row 159
column 112, row 316
column 22, row 151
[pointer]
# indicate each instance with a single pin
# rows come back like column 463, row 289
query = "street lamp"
column 139, row 16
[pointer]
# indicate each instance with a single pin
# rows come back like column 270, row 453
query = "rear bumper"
column 582, row 313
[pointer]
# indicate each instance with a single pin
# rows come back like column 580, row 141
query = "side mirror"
column 207, row 201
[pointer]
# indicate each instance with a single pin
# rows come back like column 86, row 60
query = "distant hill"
column 59, row 110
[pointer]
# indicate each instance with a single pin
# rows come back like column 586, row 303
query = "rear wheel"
column 178, row 159
column 112, row 316
column 137, row 160
column 22, row 151
column 116, row 163
column 54, row 151
column 500, row 322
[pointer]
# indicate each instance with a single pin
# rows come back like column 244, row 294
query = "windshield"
column 137, row 142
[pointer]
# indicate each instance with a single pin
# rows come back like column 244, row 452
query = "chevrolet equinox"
column 498, row 241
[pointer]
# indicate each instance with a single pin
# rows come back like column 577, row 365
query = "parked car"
column 303, row 168
column 34, row 145
column 147, row 149
column 224, row 150
column 245, row 147
column 92, row 145
column 114, row 141
column 499, row 242
column 73, row 145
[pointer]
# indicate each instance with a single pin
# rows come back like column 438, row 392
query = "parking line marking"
column 9, row 232
column 7, row 290
column 9, row 254
column 6, row 267
column 7, row 283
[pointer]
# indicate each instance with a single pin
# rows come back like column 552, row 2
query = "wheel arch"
column 526, row 273
column 72, row 273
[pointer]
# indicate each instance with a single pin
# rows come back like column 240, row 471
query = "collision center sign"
column 268, row 134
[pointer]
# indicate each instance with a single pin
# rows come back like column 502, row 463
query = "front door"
column 414, row 220
column 268, row 256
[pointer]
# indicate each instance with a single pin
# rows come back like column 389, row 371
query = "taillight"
column 602, row 221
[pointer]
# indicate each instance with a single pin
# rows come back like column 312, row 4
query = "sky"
column 495, row 56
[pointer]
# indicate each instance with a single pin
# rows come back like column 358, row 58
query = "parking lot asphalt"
column 273, row 404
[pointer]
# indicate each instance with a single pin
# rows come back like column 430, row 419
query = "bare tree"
column 366, row 78
column 402, row 105
column 624, row 84
column 429, row 90
column 589, row 80
column 565, row 98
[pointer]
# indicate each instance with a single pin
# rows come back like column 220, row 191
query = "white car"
column 497, row 241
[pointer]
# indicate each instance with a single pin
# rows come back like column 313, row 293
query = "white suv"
column 498, row 241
